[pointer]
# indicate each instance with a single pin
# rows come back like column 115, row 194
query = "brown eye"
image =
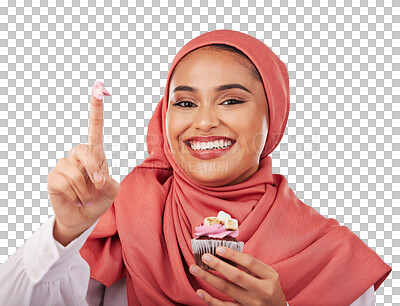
column 233, row 102
column 183, row 104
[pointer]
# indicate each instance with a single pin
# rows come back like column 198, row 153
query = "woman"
column 222, row 84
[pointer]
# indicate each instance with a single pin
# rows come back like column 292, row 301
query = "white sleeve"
column 367, row 299
column 44, row 272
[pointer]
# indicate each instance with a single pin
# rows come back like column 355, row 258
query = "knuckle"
column 230, row 253
column 50, row 177
column 78, row 151
column 276, row 284
column 61, row 162
column 249, row 260
column 203, row 275
column 234, row 255
column 238, row 277
column 273, row 276
column 224, row 287
column 72, row 152
column 97, row 121
column 215, row 263
column 266, row 290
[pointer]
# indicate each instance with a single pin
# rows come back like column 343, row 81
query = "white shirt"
column 44, row 272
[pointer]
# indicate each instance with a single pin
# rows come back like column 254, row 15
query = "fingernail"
column 194, row 270
column 88, row 204
column 206, row 258
column 106, row 92
column 97, row 177
column 199, row 294
column 79, row 204
column 220, row 250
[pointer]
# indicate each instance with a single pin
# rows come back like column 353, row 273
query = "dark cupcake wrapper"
column 202, row 246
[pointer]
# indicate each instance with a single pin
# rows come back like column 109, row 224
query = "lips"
column 208, row 154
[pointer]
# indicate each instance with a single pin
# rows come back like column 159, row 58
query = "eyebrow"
column 220, row 88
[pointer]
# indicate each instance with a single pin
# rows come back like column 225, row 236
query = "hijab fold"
column 146, row 234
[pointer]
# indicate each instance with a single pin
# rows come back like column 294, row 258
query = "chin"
column 211, row 179
column 209, row 172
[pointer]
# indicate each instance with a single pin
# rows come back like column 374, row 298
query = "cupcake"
column 214, row 232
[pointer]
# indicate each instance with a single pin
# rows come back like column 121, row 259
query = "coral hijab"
column 146, row 234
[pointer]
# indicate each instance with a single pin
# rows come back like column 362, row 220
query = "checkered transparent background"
column 340, row 152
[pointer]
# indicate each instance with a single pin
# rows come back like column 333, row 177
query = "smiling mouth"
column 209, row 145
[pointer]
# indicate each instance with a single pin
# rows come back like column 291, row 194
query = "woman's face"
column 201, row 104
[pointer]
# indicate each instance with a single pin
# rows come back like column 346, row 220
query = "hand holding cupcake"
column 247, row 279
column 214, row 232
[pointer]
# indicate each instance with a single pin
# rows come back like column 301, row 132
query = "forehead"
column 211, row 63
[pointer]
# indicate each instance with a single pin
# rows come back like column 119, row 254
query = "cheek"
column 176, row 124
column 254, row 136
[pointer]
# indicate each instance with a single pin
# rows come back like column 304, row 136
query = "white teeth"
column 227, row 143
column 218, row 144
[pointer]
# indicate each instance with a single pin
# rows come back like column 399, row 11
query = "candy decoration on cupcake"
column 218, row 227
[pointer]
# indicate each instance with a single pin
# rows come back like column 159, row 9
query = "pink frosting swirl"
column 214, row 231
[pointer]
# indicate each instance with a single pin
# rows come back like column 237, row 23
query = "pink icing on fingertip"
column 99, row 90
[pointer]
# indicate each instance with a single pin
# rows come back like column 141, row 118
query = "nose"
column 206, row 117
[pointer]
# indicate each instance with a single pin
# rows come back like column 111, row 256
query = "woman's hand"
column 259, row 285
column 80, row 187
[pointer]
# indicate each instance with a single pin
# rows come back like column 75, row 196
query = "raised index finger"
column 95, row 140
